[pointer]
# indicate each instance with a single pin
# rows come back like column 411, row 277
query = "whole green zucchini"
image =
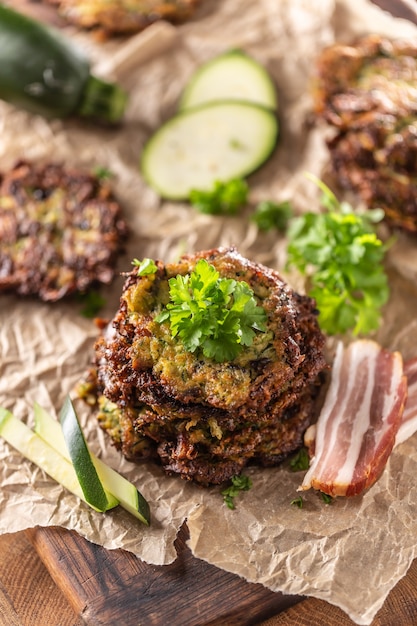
column 42, row 72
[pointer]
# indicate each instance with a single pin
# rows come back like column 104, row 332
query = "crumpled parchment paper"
column 350, row 553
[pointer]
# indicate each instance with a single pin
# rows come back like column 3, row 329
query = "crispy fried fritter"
column 117, row 17
column 379, row 162
column 61, row 231
column 368, row 92
column 202, row 419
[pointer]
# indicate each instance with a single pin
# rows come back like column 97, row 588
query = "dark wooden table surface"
column 30, row 597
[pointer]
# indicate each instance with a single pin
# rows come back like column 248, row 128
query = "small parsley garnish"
column 342, row 257
column 226, row 198
column 269, row 215
column 217, row 315
column 239, row 483
column 300, row 461
column 103, row 173
column 92, row 302
column 299, row 502
column 326, row 498
column 145, row 267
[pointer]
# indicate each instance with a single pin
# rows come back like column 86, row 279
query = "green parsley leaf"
column 299, row 502
column 326, row 498
column 269, row 215
column 102, row 173
column 226, row 198
column 92, row 302
column 145, row 267
column 239, row 483
column 342, row 257
column 215, row 315
column 300, row 461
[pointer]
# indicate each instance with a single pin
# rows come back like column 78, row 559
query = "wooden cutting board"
column 107, row 587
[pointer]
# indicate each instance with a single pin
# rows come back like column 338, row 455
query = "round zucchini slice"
column 231, row 76
column 199, row 146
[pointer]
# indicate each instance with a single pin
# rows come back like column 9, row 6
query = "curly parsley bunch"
column 340, row 253
column 214, row 314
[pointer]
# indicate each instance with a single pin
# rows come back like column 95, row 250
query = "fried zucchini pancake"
column 367, row 92
column 124, row 17
column 61, row 231
column 199, row 418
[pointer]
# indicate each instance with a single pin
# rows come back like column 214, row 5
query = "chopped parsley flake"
column 300, row 461
column 326, row 498
column 269, row 215
column 239, row 483
column 226, row 198
column 145, row 267
column 92, row 302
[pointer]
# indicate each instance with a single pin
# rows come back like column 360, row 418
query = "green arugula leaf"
column 226, row 198
column 215, row 315
column 342, row 257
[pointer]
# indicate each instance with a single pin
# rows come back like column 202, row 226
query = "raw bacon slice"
column 408, row 424
column 357, row 426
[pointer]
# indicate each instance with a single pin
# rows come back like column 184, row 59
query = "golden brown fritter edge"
column 123, row 17
column 365, row 91
column 203, row 420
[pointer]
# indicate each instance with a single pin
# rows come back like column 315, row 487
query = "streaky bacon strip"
column 408, row 424
column 359, row 420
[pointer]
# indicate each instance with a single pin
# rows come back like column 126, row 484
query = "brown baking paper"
column 350, row 553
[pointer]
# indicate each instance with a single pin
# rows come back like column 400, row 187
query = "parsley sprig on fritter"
column 218, row 315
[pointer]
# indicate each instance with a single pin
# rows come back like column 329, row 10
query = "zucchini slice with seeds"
column 202, row 145
column 233, row 75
